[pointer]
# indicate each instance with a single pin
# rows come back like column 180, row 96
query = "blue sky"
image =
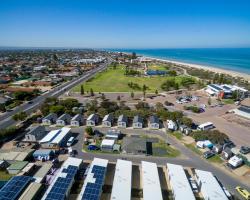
column 125, row 24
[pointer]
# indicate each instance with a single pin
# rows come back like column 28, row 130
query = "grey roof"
column 77, row 117
column 153, row 119
column 228, row 150
column 51, row 116
column 134, row 144
column 108, row 117
column 64, row 117
column 122, row 118
column 93, row 117
column 35, row 130
column 137, row 118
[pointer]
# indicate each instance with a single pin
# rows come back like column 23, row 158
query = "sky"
column 125, row 23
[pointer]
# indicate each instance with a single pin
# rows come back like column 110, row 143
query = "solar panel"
column 14, row 187
column 244, row 109
column 92, row 190
column 60, row 187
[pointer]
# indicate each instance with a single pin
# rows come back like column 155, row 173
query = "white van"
column 70, row 141
column 205, row 126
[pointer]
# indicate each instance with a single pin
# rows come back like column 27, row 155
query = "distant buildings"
column 244, row 109
column 49, row 119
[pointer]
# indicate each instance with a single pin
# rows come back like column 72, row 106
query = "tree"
column 58, row 109
column 144, row 88
column 156, row 92
column 187, row 121
column 20, row 116
column 103, row 97
column 92, row 92
column 82, row 90
column 132, row 94
column 159, row 106
column 118, row 98
column 133, row 55
column 89, row 130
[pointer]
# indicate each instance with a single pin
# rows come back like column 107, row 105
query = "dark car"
column 244, row 150
column 208, row 154
column 98, row 133
column 93, row 148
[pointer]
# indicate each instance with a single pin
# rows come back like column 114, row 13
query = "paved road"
column 6, row 119
column 190, row 159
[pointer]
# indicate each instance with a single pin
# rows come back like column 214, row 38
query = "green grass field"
column 114, row 80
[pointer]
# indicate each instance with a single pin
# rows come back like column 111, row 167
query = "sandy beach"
column 214, row 69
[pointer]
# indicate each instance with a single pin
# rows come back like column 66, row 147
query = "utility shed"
column 16, row 167
column 122, row 181
column 209, row 186
column 179, row 183
column 150, row 181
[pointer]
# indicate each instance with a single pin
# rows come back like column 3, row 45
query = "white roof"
column 206, row 124
column 122, row 181
column 55, row 136
column 108, row 142
column 90, row 176
column 89, row 118
column 63, row 133
column 150, row 181
column 210, row 188
column 70, row 161
column 235, row 160
column 179, row 183
column 105, row 117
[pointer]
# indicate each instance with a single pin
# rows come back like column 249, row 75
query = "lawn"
column 194, row 149
column 177, row 135
column 228, row 101
column 114, row 80
column 215, row 159
column 162, row 149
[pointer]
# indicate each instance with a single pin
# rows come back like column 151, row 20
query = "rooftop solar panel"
column 244, row 109
column 13, row 188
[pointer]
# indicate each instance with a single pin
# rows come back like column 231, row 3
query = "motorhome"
column 206, row 126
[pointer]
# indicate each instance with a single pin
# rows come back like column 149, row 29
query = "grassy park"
column 114, row 80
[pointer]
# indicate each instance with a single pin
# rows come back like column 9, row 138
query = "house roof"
column 18, row 165
column 51, row 116
column 93, row 117
column 153, row 119
column 122, row 118
column 137, row 118
column 108, row 117
column 64, row 117
column 77, row 117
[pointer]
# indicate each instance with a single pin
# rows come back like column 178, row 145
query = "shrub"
column 214, row 136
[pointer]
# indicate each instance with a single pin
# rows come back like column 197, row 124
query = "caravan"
column 206, row 126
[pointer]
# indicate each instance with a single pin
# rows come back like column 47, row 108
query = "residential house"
column 50, row 119
column 107, row 145
column 122, row 121
column 137, row 122
column 35, row 133
column 108, row 120
column 92, row 120
column 77, row 120
column 154, row 122
column 63, row 120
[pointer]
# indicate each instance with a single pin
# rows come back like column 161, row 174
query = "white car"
column 179, row 102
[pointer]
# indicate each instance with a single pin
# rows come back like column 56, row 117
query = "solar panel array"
column 14, row 187
column 60, row 187
column 244, row 109
column 93, row 190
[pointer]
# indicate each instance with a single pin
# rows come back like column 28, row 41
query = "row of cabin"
column 63, row 120
column 122, row 122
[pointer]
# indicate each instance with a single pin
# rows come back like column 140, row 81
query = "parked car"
column 93, row 148
column 208, row 154
column 243, row 192
column 244, row 150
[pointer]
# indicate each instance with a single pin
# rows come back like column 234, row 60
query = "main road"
column 6, row 119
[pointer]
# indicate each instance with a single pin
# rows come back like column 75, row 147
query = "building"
column 179, row 183
column 122, row 181
column 49, row 119
column 43, row 170
column 122, row 121
column 171, row 125
column 137, row 122
column 113, row 134
column 244, row 109
column 134, row 145
column 227, row 153
column 154, row 122
column 150, row 181
column 92, row 187
column 19, row 154
column 77, row 120
column 107, row 145
column 62, row 183
column 17, row 167
column 35, row 133
column 209, row 186
column 31, row 192
column 108, row 120
column 56, row 138
column 43, row 154
column 92, row 120
column 13, row 189
column 63, row 120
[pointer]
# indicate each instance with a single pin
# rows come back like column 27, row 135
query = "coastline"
column 213, row 69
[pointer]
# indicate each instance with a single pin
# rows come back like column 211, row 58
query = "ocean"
column 234, row 59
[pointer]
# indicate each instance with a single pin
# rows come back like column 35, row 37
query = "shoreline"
column 197, row 66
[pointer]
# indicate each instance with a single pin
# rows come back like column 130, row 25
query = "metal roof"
column 122, row 181
column 150, row 181
column 137, row 118
column 31, row 191
column 55, row 136
column 122, row 118
column 154, row 119
column 210, row 187
column 179, row 183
